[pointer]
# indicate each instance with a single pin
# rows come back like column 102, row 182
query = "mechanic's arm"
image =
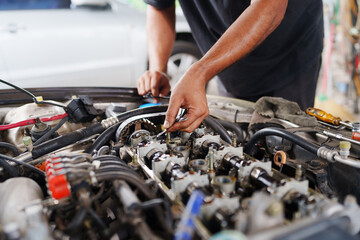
column 160, row 27
column 246, row 33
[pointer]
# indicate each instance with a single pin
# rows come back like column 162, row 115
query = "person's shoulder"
column 160, row 4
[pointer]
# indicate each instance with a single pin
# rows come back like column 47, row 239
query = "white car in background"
column 64, row 43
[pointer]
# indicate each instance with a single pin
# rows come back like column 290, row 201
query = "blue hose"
column 149, row 105
column 186, row 226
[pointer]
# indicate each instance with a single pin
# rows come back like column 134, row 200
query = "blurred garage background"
column 81, row 43
column 67, row 43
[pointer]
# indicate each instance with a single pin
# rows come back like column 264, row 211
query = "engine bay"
column 89, row 165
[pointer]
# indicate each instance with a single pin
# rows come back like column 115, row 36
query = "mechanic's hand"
column 189, row 94
column 154, row 81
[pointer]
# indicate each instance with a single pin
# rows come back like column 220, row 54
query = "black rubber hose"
column 11, row 147
column 234, row 127
column 111, row 161
column 65, row 140
column 103, row 139
column 47, row 135
column 217, row 127
column 140, row 185
column 110, row 132
column 107, row 163
column 97, row 219
column 72, row 137
column 28, row 166
column 132, row 179
column 141, row 111
column 280, row 133
column 112, row 168
column 11, row 170
column 168, row 215
column 104, row 158
column 76, row 221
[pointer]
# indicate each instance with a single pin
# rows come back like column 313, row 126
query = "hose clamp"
column 111, row 121
column 327, row 154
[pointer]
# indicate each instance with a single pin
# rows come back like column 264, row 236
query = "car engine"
column 91, row 164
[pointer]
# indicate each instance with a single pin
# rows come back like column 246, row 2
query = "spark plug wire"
column 32, row 121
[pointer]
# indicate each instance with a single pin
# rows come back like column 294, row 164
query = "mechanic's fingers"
column 186, row 121
column 193, row 126
column 154, row 87
column 165, row 89
column 193, row 120
column 141, row 86
column 155, row 84
column 147, row 82
column 172, row 111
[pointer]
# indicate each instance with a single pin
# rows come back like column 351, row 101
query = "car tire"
column 186, row 47
column 190, row 53
column 184, row 54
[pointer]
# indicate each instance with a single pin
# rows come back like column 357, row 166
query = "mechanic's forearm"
column 160, row 27
column 246, row 33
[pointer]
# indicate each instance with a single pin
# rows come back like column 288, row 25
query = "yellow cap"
column 344, row 145
column 39, row 98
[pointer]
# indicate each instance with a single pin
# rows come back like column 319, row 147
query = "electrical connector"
column 81, row 110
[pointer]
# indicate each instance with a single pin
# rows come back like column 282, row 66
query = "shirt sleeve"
column 160, row 4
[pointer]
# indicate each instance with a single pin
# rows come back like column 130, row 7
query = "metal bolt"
column 211, row 159
column 233, row 140
column 298, row 172
column 356, row 127
column 134, row 161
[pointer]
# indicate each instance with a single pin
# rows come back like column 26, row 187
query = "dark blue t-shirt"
column 294, row 46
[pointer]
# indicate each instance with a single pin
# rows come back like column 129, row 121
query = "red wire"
column 31, row 121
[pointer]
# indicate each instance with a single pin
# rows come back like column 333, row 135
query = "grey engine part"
column 123, row 182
